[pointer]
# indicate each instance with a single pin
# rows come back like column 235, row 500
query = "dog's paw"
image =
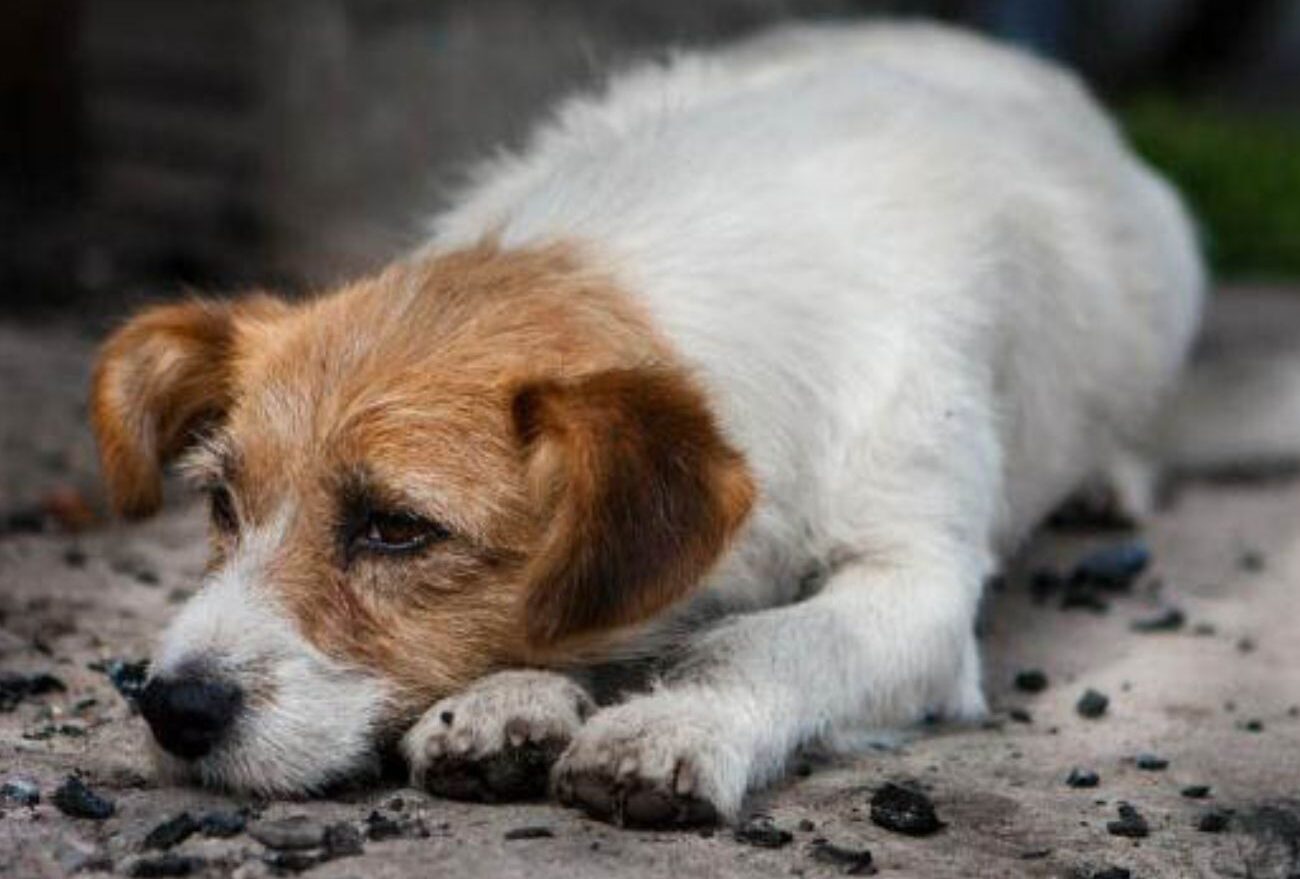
column 496, row 741
column 638, row 765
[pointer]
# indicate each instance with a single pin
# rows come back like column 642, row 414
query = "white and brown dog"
column 745, row 371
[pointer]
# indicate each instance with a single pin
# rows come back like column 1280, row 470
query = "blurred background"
column 151, row 145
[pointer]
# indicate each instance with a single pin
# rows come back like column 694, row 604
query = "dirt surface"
column 1218, row 697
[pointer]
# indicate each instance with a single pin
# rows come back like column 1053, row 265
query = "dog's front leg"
column 884, row 642
column 497, row 740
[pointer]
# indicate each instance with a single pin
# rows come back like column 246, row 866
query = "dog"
column 742, row 375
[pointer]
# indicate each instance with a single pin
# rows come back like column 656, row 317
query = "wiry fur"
column 909, row 287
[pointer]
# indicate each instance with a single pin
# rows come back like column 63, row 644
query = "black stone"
column 282, row 862
column 1196, row 791
column 20, row 792
column 529, row 833
column 14, row 688
column 127, row 677
column 222, row 825
column 1214, row 821
column 168, row 864
column 1112, row 568
column 76, row 800
column 380, row 826
column 851, row 862
column 1082, row 778
column 342, row 840
column 1171, row 620
column 760, row 831
column 172, row 832
column 1031, row 680
column 1151, row 762
column 1130, row 824
column 904, row 810
column 1020, row 715
column 1092, row 704
column 1113, row 873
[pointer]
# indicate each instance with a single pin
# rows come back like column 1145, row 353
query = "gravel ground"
column 1216, row 695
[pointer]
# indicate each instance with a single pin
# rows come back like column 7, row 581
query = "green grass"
column 1241, row 174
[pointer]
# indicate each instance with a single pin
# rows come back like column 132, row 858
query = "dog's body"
column 899, row 290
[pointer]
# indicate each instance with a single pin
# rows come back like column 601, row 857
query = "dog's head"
column 480, row 460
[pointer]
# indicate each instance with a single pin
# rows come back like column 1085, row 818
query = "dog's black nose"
column 190, row 714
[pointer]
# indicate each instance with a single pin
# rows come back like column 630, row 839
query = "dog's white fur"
column 929, row 290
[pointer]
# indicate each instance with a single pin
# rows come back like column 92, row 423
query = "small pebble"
column 380, row 826
column 760, row 831
column 1113, row 873
column 1251, row 560
column 172, row 832
column 1130, row 824
column 14, row 688
column 1082, row 778
column 20, row 791
column 1092, row 704
column 221, row 825
column 1196, row 791
column 1031, row 681
column 1214, row 821
column 1020, row 715
column 530, row 833
column 1113, row 568
column 1253, row 725
column 291, row 861
column 342, row 840
column 851, row 862
column 1246, row 645
column 1151, row 762
column 168, row 864
column 1205, row 629
column 904, row 810
column 76, row 800
column 1171, row 620
column 292, row 833
column 806, row 826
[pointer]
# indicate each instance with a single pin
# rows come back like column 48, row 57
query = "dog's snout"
column 189, row 715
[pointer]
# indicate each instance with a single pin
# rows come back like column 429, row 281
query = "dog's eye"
column 397, row 532
column 222, row 507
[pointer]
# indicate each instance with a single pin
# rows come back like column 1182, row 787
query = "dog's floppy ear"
column 158, row 378
column 642, row 494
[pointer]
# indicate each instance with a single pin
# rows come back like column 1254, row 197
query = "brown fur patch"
column 409, row 384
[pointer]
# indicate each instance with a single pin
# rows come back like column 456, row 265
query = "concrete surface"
column 1227, row 555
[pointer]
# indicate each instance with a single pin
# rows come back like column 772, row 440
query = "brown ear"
column 158, row 379
column 643, row 494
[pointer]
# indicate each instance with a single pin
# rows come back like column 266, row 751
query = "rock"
column 1113, row 873
column 1082, row 778
column 1196, row 791
column 1151, row 762
column 529, row 833
column 221, row 825
column 76, row 800
column 14, row 688
column 20, row 791
column 168, row 864
column 1130, row 824
column 1031, row 681
column 293, row 833
column 1253, row 725
column 127, row 677
column 342, row 840
column 380, row 826
column 851, row 862
column 904, row 810
column 1112, row 568
column 1214, row 821
column 1020, row 715
column 171, row 832
column 761, row 831
column 806, row 826
column 1092, row 704
column 1171, row 620
column 291, row 861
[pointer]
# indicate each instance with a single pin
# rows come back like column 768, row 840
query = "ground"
column 1217, row 697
